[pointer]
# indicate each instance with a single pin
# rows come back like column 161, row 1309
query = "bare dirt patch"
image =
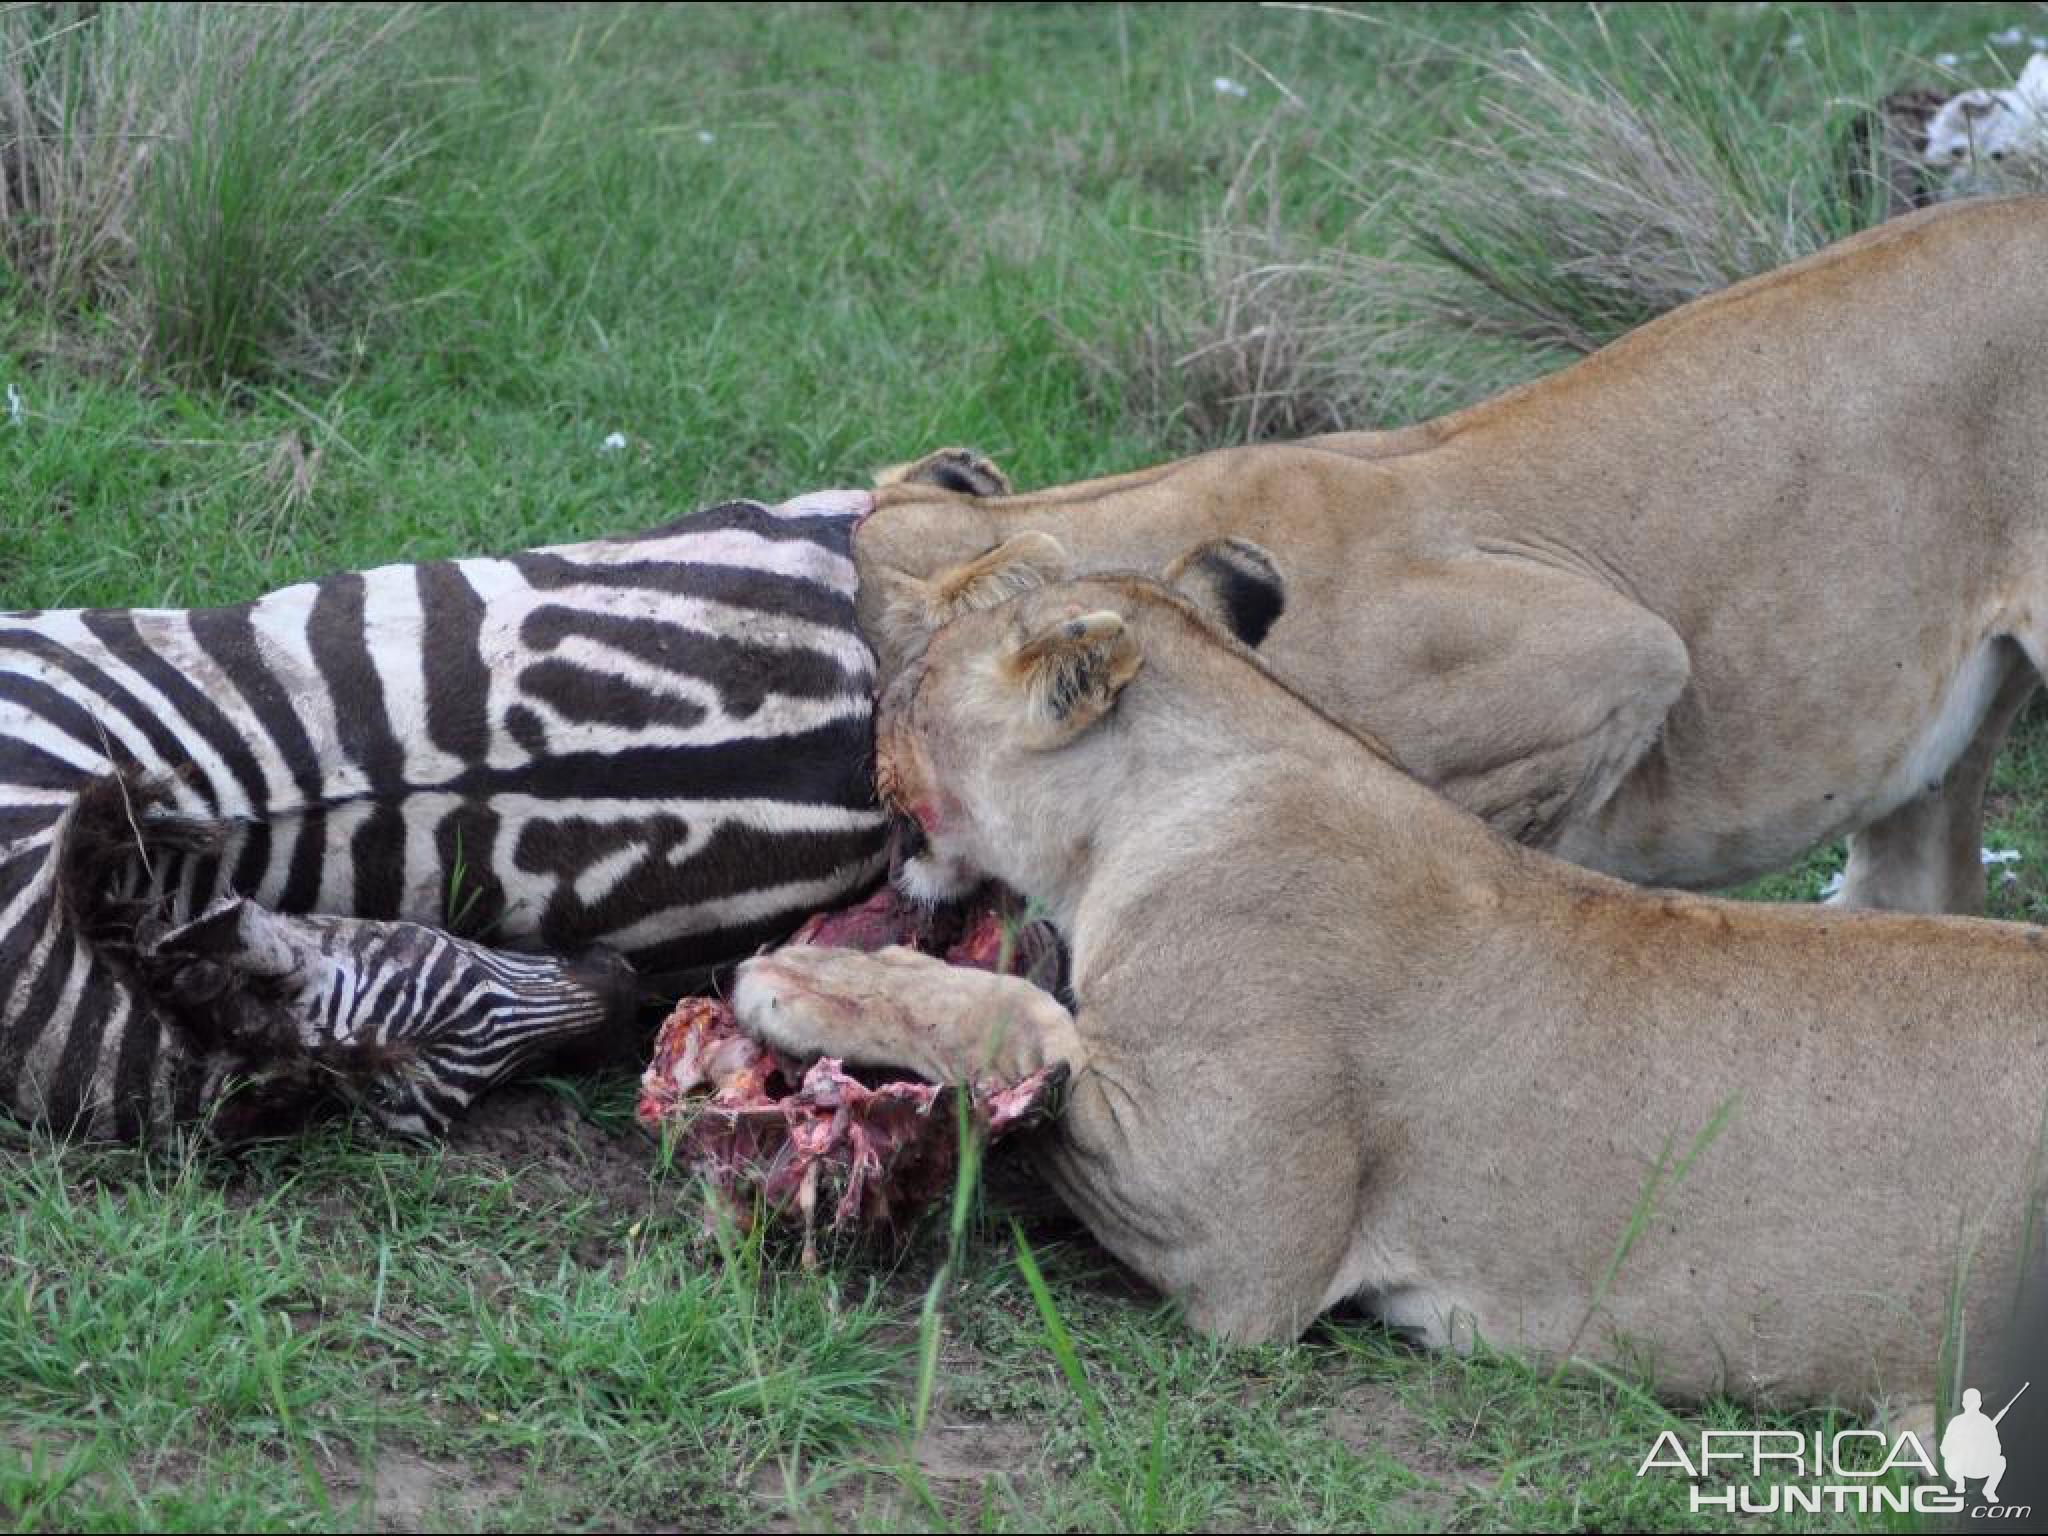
column 1372, row 1419
column 539, row 1135
column 404, row 1491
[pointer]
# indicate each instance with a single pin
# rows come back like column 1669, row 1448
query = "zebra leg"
column 407, row 1022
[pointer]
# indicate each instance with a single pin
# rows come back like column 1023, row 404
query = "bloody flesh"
column 797, row 1139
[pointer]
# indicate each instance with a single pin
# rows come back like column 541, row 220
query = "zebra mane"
column 118, row 843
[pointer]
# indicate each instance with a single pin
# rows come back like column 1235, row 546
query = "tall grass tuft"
column 1239, row 345
column 201, row 185
column 1583, row 198
column 1263, row 330
column 1529, row 205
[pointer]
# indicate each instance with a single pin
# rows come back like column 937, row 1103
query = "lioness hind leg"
column 1927, row 856
column 900, row 1009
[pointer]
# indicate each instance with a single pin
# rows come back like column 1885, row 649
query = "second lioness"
column 1770, row 570
column 1336, row 1039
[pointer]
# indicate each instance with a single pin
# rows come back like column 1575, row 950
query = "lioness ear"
column 2032, row 85
column 1021, row 563
column 1071, row 672
column 951, row 469
column 1235, row 583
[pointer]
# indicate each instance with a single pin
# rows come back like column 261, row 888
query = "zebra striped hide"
column 660, row 743
column 280, row 1015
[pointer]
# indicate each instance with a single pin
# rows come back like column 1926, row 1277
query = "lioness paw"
column 900, row 1009
column 787, row 1000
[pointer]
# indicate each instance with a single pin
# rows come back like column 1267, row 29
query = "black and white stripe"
column 406, row 1022
column 661, row 744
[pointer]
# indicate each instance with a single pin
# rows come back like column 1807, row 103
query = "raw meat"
column 764, row 1130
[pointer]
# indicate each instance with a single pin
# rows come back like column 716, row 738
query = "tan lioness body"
column 1335, row 1038
column 1770, row 570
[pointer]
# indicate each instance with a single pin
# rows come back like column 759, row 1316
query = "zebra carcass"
column 660, row 745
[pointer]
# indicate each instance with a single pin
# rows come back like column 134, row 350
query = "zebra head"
column 409, row 1023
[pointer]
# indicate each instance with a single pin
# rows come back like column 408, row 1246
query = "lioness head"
column 990, row 744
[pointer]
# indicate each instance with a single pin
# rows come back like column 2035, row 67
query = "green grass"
column 338, row 1331
column 194, row 190
column 907, row 228
column 186, row 1341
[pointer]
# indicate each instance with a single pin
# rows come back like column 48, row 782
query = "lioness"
column 1337, row 1039
column 1771, row 570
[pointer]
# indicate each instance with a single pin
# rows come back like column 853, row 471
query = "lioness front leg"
column 899, row 1009
column 1524, row 693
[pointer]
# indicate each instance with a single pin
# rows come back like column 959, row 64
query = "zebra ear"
column 237, row 934
column 1071, row 672
column 917, row 606
column 1236, row 583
